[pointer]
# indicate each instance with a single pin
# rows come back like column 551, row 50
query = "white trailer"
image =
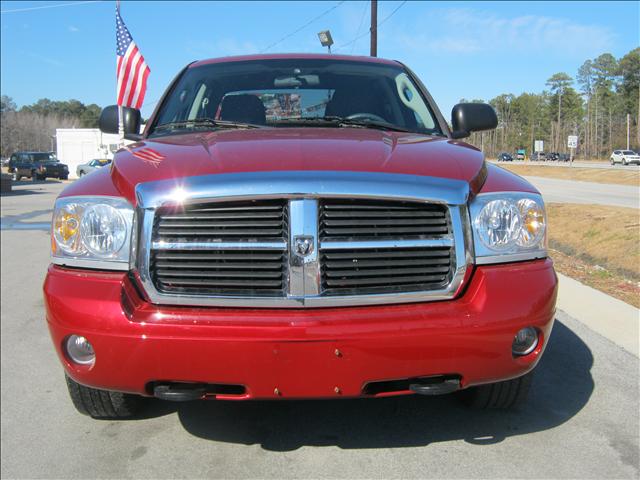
column 75, row 146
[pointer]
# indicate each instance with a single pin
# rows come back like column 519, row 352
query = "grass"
column 599, row 246
column 598, row 175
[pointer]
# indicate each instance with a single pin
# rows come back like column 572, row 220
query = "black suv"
column 37, row 166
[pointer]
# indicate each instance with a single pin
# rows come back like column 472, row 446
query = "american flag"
column 132, row 70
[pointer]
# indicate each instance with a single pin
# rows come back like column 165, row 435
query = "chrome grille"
column 298, row 239
column 374, row 219
column 385, row 270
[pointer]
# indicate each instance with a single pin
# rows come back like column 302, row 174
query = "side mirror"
column 108, row 122
column 472, row 117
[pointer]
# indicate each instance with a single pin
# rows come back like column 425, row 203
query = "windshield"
column 628, row 152
column 43, row 157
column 297, row 92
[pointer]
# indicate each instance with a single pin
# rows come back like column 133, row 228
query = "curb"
column 612, row 318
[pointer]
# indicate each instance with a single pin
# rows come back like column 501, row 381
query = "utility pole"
column 628, row 119
column 374, row 28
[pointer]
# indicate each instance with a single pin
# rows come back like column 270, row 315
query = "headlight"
column 508, row 227
column 92, row 232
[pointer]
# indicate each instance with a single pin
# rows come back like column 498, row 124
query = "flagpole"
column 120, row 112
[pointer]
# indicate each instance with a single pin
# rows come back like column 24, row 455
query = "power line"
column 364, row 11
column 377, row 27
column 28, row 9
column 303, row 26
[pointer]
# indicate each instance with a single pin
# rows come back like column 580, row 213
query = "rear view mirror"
column 108, row 122
column 472, row 117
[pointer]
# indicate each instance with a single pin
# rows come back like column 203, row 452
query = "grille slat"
column 164, row 274
column 215, row 233
column 417, row 262
column 414, row 279
column 222, row 283
column 386, row 221
column 383, row 272
column 218, row 265
column 375, row 231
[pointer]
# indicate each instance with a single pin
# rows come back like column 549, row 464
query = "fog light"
column 80, row 350
column 525, row 342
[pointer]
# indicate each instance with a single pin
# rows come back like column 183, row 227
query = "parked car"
column 624, row 157
column 89, row 167
column 37, row 166
column 563, row 157
column 505, row 157
column 520, row 154
column 538, row 157
column 251, row 247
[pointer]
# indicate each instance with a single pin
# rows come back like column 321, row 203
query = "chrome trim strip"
column 301, row 184
column 303, row 189
column 432, row 242
column 218, row 245
column 95, row 264
column 513, row 257
column 304, row 270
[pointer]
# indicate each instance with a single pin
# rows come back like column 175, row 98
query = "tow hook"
column 440, row 388
column 177, row 393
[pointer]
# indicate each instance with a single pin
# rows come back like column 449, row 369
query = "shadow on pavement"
column 561, row 388
column 17, row 193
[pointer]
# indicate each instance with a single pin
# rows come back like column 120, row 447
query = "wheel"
column 64, row 177
column 81, row 174
column 16, row 176
column 504, row 395
column 624, row 161
column 612, row 162
column 102, row 403
column 34, row 176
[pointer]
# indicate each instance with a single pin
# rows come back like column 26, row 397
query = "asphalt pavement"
column 581, row 420
column 577, row 164
column 570, row 191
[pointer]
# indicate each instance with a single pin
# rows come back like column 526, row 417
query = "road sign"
column 538, row 146
column 572, row 141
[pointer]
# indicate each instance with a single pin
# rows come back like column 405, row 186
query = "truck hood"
column 295, row 149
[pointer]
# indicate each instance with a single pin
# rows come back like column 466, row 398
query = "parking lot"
column 581, row 420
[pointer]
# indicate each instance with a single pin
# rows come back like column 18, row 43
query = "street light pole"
column 374, row 28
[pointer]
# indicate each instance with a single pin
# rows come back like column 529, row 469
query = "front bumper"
column 302, row 353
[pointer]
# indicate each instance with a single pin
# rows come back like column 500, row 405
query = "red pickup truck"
column 294, row 227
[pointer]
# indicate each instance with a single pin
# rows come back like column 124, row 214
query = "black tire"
column 81, row 174
column 503, row 395
column 64, row 177
column 624, row 161
column 16, row 176
column 34, row 176
column 102, row 403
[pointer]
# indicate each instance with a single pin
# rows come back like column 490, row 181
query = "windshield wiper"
column 203, row 123
column 337, row 121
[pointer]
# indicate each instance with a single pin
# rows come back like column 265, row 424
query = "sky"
column 473, row 50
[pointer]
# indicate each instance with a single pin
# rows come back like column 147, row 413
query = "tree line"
column 594, row 106
column 33, row 127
